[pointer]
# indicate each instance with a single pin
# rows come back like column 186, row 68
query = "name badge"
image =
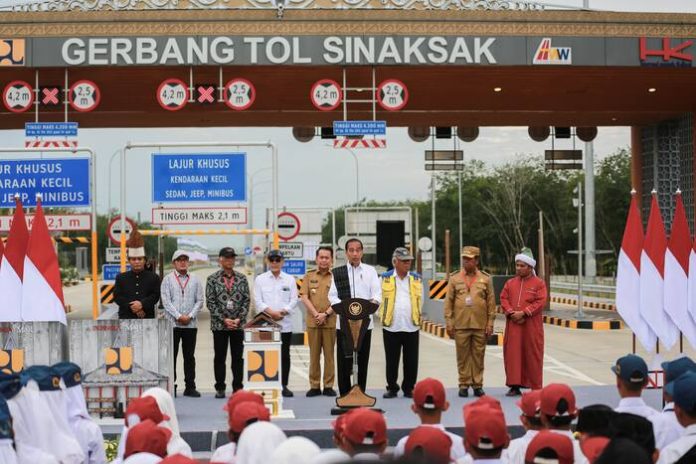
column 468, row 301
column 230, row 305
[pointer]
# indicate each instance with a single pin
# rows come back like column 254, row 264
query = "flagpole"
column 634, row 343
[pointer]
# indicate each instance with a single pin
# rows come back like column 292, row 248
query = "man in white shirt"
column 354, row 280
column 429, row 402
column 667, row 427
column 631, row 378
column 182, row 297
column 275, row 294
column 400, row 312
column 683, row 391
column 529, row 405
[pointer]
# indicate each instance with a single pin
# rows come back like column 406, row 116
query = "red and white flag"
column 652, row 275
column 2, row 251
column 42, row 297
column 628, row 278
column 677, row 273
column 692, row 284
column 12, row 268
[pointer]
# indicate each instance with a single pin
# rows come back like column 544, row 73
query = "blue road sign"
column 360, row 128
column 203, row 177
column 50, row 129
column 110, row 271
column 60, row 181
column 248, row 251
column 295, row 267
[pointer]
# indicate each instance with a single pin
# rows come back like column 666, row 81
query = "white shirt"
column 518, row 447
column 364, row 283
column 577, row 451
column 635, row 406
column 276, row 293
column 403, row 317
column 457, row 451
column 676, row 450
column 666, row 427
column 224, row 454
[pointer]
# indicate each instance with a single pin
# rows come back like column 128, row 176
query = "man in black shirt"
column 137, row 291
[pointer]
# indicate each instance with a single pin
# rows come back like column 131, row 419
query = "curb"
column 439, row 330
column 585, row 304
column 588, row 325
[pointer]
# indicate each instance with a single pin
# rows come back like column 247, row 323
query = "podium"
column 355, row 320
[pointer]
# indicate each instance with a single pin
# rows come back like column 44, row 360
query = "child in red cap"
column 365, row 434
column 429, row 444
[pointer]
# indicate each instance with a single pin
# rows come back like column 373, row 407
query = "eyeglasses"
column 275, row 259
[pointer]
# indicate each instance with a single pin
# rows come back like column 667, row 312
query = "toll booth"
column 262, row 363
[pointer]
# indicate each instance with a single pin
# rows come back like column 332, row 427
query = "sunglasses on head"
column 275, row 259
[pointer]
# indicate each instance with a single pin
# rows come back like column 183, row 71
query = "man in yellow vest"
column 400, row 312
column 469, row 316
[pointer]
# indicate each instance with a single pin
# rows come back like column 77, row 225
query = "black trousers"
column 286, row 340
column 344, row 363
column 187, row 337
column 394, row 344
column 235, row 340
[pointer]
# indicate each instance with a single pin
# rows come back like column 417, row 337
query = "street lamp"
column 577, row 202
column 111, row 174
column 250, row 202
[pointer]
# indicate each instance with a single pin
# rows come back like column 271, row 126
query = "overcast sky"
column 317, row 175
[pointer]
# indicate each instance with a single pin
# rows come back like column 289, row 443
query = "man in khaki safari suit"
column 469, row 316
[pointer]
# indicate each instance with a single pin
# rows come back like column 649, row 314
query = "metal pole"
column 416, row 249
column 580, row 314
column 333, row 229
column 459, row 200
column 108, row 212
column 447, row 252
column 432, row 226
column 357, row 190
column 590, row 257
column 542, row 254
column 250, row 212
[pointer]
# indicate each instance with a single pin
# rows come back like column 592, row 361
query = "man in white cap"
column 523, row 298
column 182, row 297
column 137, row 291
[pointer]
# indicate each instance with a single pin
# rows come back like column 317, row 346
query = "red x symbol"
column 205, row 94
column 50, row 96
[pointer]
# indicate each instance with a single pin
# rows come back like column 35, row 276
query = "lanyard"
column 182, row 287
column 468, row 282
column 228, row 282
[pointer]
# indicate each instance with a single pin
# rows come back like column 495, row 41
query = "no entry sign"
column 84, row 96
column 326, row 95
column 18, row 96
column 288, row 226
column 239, row 94
column 172, row 94
column 392, row 94
column 114, row 229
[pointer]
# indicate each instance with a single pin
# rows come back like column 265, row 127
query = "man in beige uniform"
column 469, row 315
column 321, row 323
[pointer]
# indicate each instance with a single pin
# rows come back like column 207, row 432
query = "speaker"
column 390, row 235
column 327, row 133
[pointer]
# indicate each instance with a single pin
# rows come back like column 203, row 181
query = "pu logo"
column 11, row 361
column 263, row 366
column 118, row 360
column 548, row 54
column 12, row 52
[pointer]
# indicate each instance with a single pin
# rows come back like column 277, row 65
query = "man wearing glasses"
column 137, row 291
column 275, row 294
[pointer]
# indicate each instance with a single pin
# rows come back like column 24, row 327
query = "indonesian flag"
column 652, row 273
column 42, row 298
column 691, row 303
column 677, row 273
column 12, row 268
column 2, row 251
column 628, row 278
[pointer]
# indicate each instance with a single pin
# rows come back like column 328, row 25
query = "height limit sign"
column 326, row 95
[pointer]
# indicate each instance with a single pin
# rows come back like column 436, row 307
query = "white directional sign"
column 114, row 229
column 239, row 94
column 63, row 222
column 113, row 255
column 199, row 215
column 392, row 94
column 292, row 250
column 18, row 96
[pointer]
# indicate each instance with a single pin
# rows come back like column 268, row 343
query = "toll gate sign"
column 18, row 96
column 326, row 95
column 172, row 94
column 239, row 94
column 61, row 182
column 392, row 94
column 199, row 177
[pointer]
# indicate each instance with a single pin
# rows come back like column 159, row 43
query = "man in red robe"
column 522, row 299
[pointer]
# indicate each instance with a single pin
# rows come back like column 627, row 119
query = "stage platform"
column 203, row 422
